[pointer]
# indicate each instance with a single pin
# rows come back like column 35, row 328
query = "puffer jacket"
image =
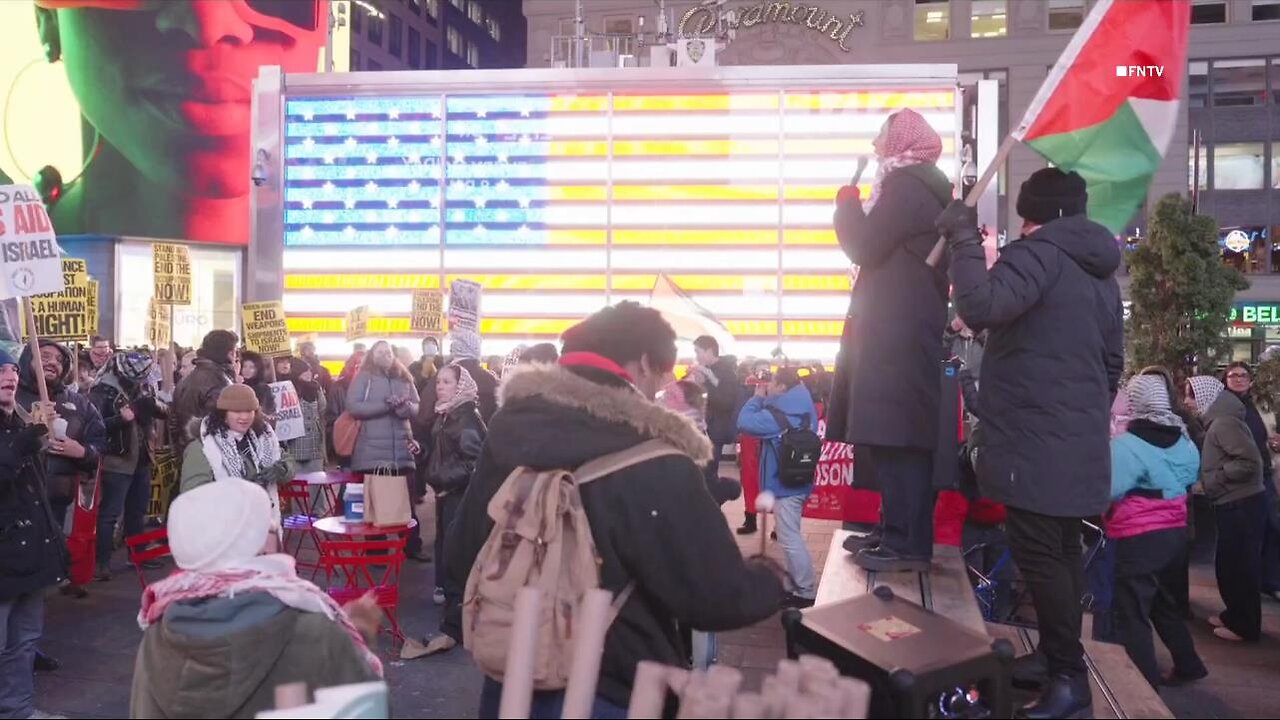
column 454, row 444
column 384, row 432
column 224, row 658
column 1151, row 468
column 1230, row 465
column 32, row 551
column 756, row 420
column 84, row 425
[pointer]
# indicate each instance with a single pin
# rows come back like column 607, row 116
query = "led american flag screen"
column 560, row 204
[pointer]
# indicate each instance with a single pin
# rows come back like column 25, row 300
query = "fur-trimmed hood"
column 611, row 412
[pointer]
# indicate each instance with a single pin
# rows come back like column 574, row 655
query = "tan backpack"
column 541, row 538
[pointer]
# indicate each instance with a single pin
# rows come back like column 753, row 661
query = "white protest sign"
column 30, row 260
column 289, row 424
column 464, row 305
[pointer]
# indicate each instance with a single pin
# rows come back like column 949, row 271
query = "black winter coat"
column 487, row 383
column 888, row 374
column 84, row 425
column 452, row 443
column 1051, row 365
column 33, row 554
column 653, row 523
column 723, row 402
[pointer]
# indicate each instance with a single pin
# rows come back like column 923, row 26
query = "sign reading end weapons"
column 428, row 312
column 265, row 329
column 172, row 265
column 358, row 323
column 29, row 257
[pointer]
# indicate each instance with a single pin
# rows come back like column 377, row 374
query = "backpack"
column 541, row 538
column 798, row 453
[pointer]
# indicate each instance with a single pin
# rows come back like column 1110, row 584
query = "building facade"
column 436, row 34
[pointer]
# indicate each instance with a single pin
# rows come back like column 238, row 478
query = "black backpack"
column 798, row 453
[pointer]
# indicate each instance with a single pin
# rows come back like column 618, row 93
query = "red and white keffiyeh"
column 910, row 141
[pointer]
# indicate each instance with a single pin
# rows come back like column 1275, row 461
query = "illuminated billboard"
column 559, row 203
column 143, row 107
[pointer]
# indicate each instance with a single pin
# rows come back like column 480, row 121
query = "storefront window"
column 1238, row 166
column 933, row 19
column 1208, row 12
column 1065, row 14
column 989, row 18
column 1198, row 84
column 1245, row 247
column 1239, row 83
column 215, row 295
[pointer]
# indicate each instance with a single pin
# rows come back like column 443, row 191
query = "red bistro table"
column 328, row 481
column 363, row 564
column 337, row 525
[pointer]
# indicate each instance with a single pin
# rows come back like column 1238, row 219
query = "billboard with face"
column 159, row 94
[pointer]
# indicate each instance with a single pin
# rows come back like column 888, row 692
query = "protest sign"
column 358, row 323
column 428, row 312
column 64, row 316
column 289, row 423
column 93, row 301
column 164, row 482
column 464, row 305
column 172, row 266
column 29, row 253
column 265, row 329
column 159, row 324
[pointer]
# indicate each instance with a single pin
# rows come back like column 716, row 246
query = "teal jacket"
column 1139, row 465
column 756, row 420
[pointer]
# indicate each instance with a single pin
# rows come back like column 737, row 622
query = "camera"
column 763, row 376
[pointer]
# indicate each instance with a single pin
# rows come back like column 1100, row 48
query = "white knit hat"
column 219, row 524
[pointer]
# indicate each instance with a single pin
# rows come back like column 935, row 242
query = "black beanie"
column 1050, row 194
column 218, row 345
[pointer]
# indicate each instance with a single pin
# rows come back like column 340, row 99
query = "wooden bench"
column 1119, row 690
column 944, row 590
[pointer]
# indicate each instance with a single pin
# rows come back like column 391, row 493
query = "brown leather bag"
column 346, row 429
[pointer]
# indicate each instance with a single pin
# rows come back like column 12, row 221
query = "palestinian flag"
column 1109, row 106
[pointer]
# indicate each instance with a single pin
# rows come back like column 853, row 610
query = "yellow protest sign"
column 172, row 265
column 428, row 312
column 265, row 329
column 64, row 316
column 93, row 307
column 159, row 324
column 358, row 323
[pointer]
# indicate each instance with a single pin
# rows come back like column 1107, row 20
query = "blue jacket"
column 756, row 420
column 1139, row 465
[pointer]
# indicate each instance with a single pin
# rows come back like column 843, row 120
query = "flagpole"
column 975, row 192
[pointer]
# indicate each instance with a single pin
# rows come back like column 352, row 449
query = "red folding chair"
column 145, row 547
column 364, row 565
column 297, row 522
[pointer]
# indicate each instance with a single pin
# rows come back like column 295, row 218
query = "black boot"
column 882, row 559
column 45, row 663
column 1063, row 697
column 1030, row 672
column 748, row 526
column 856, row 542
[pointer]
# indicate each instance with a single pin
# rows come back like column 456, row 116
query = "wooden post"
column 592, row 624
column 975, row 192
column 34, row 341
column 517, row 682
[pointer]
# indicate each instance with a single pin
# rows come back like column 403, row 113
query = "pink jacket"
column 1138, row 515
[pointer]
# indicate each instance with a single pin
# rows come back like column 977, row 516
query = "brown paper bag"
column 386, row 499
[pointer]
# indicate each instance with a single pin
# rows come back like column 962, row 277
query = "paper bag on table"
column 386, row 499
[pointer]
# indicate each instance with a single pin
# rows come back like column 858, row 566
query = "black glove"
column 277, row 473
column 958, row 223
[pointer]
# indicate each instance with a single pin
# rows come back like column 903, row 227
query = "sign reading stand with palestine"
column 428, row 312
column 30, row 260
column 265, row 329
column 172, row 265
column 358, row 323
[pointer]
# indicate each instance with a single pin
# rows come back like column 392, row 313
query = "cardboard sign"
column 30, row 261
column 64, row 316
column 159, row 324
column 358, row 323
column 289, row 423
column 265, row 329
column 428, row 312
column 93, row 301
column 164, row 482
column 172, row 264
column 464, row 305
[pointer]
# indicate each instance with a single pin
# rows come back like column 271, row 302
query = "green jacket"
column 1230, row 464
column 224, row 657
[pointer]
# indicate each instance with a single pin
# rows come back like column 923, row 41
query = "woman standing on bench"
column 1152, row 465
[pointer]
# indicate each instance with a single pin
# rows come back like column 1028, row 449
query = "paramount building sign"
column 702, row 19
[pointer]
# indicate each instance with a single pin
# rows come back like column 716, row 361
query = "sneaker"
column 791, row 600
column 102, row 574
column 1227, row 635
column 437, row 597
column 856, row 542
column 882, row 559
column 78, row 592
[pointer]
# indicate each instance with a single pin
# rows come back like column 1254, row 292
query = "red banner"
column 834, row 497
